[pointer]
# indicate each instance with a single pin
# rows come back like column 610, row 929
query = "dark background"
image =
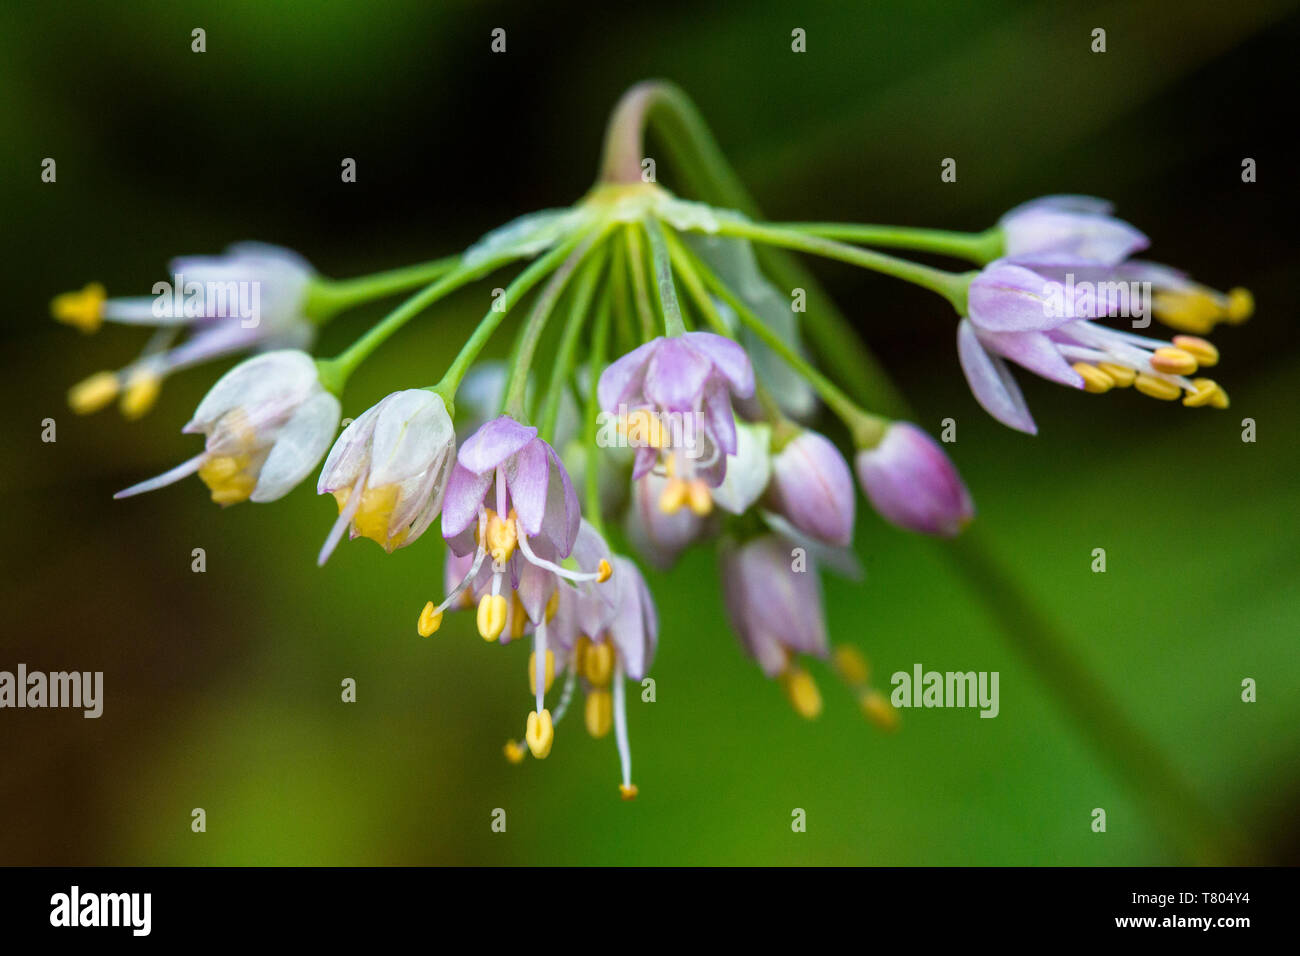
column 222, row 688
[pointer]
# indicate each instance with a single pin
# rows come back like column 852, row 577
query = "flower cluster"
column 681, row 399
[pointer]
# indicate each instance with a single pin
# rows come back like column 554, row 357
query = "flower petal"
column 991, row 382
column 492, row 444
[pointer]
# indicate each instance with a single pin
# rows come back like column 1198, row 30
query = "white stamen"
column 166, row 478
column 344, row 519
column 574, row 576
column 539, row 667
column 566, row 695
column 620, row 724
column 479, row 555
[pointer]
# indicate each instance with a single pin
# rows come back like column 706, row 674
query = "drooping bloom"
column 775, row 607
column 389, row 469
column 1031, row 317
column 267, row 422
column 252, row 296
column 812, row 487
column 672, row 399
column 913, row 484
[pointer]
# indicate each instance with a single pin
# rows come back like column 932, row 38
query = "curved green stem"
column 328, row 297
column 583, row 290
column 978, row 247
column 951, row 285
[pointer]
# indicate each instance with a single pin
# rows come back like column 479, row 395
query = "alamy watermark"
column 1086, row 300
column 234, row 298
column 651, row 428
column 923, row 688
column 79, row 690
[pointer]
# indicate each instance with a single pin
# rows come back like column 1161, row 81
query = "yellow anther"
column 1121, row 375
column 430, row 620
column 802, row 692
column 93, row 393
column 502, row 536
column 1201, row 392
column 1190, row 310
column 552, row 605
column 1241, row 305
column 515, row 753
column 674, row 495
column 491, row 616
column 628, row 791
column 643, row 429
column 518, row 617
column 699, row 497
column 84, row 309
column 1156, row 387
column 851, row 665
column 1173, row 361
column 580, row 649
column 227, row 478
column 603, row 571
column 532, row 671
column 540, row 733
column 1220, row 399
column 598, row 663
column 1094, row 379
column 141, row 392
column 877, row 709
column 1203, row 351
column 599, row 713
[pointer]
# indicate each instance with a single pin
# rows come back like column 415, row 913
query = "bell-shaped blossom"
column 773, row 599
column 267, row 422
column 1069, row 228
column 1045, row 322
column 812, row 487
column 252, row 296
column 913, row 484
column 389, row 469
column 671, row 397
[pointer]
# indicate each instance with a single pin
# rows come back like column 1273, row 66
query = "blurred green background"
column 222, row 689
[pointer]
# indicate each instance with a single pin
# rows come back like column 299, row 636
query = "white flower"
column 253, row 296
column 268, row 421
column 388, row 470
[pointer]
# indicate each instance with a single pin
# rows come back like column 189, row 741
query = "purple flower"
column 1043, row 319
column 774, row 603
column 1070, row 229
column 813, row 488
column 672, row 399
column 911, row 483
